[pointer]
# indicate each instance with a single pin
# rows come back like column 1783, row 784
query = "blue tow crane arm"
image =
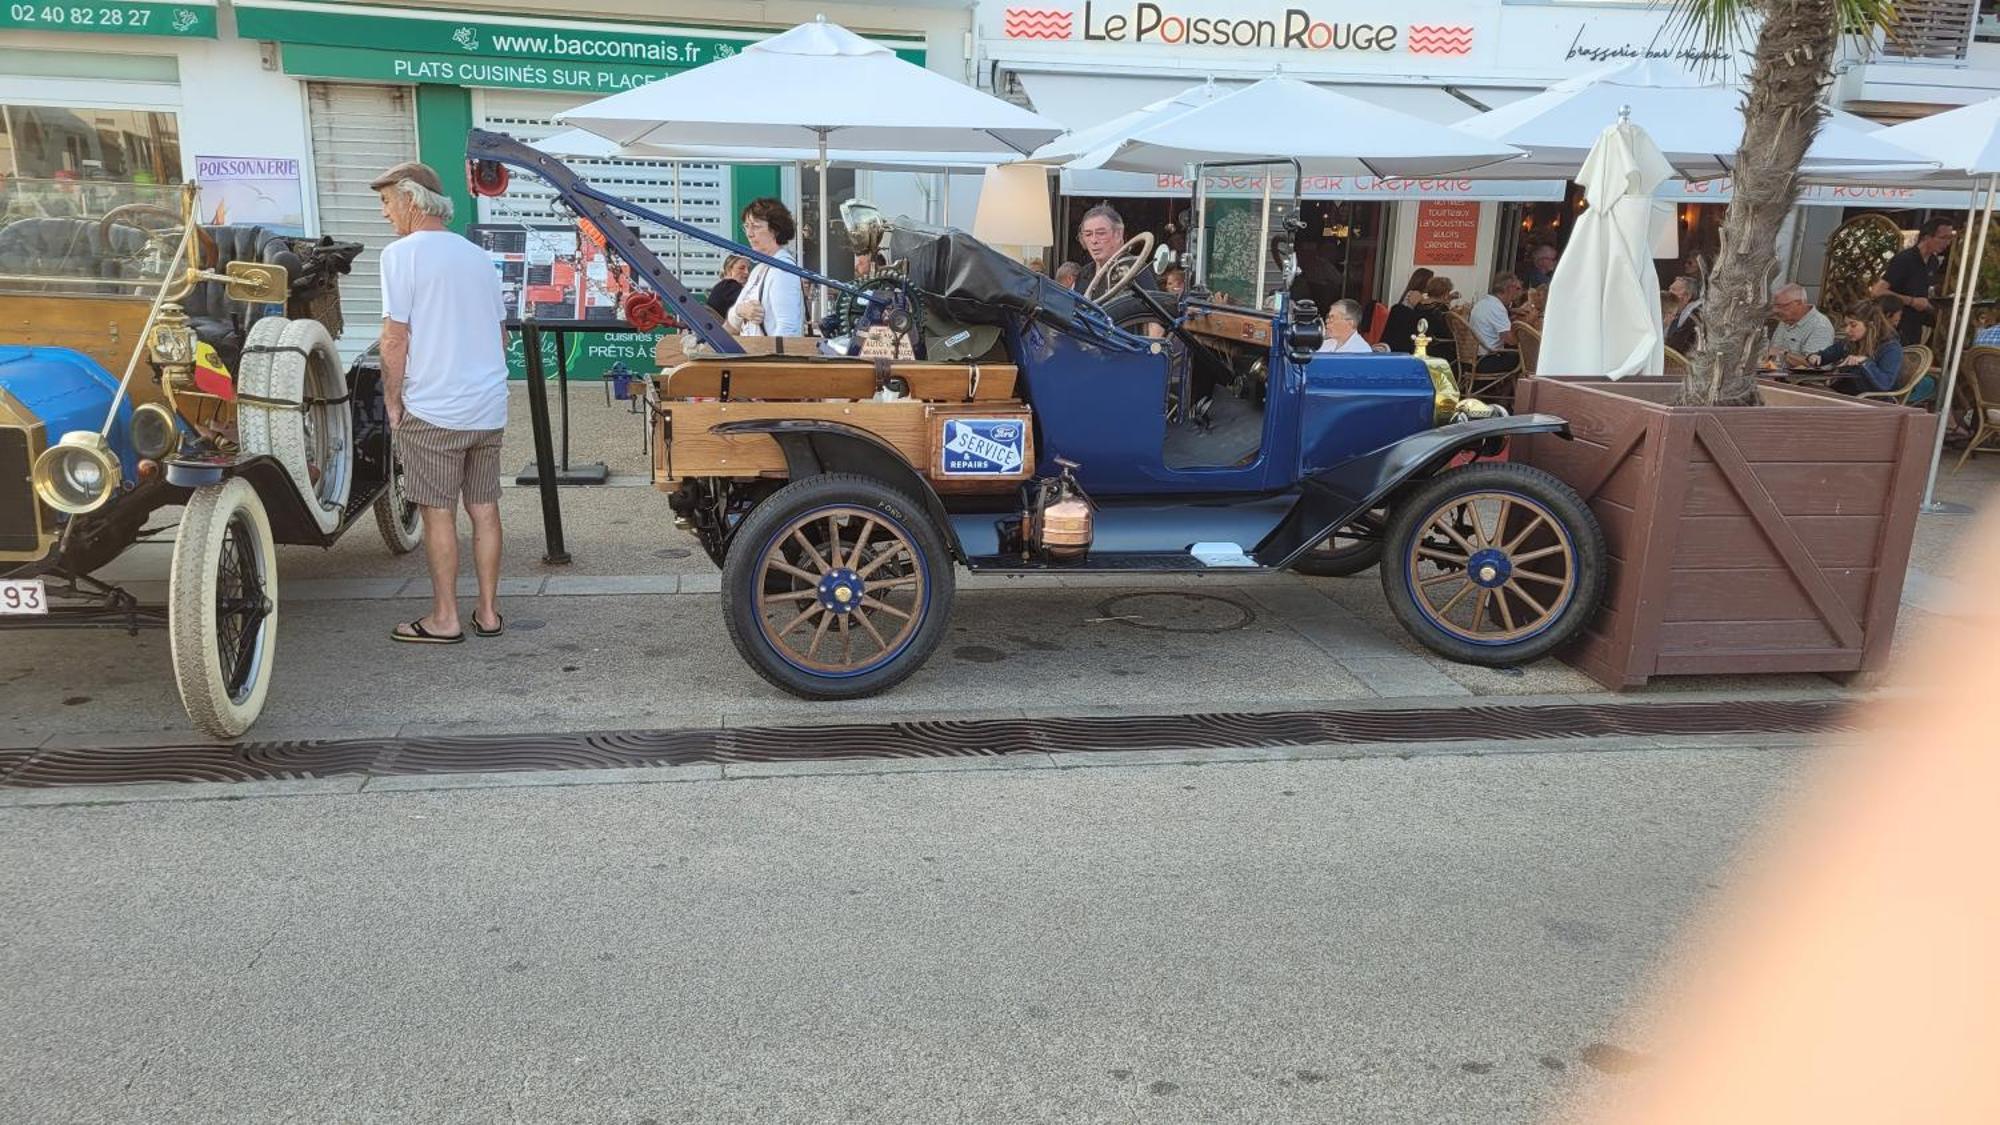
column 487, row 152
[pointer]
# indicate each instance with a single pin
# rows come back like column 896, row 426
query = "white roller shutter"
column 696, row 193
column 357, row 132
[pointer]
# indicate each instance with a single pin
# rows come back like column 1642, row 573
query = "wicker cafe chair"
column 1528, row 339
column 1495, row 387
column 1916, row 368
column 1465, row 341
column 1983, row 381
column 1676, row 366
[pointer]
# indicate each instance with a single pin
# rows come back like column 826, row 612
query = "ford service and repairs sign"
column 984, row 447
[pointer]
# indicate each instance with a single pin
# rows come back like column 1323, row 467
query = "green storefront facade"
column 445, row 57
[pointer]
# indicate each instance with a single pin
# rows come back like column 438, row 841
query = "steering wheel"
column 162, row 235
column 1109, row 281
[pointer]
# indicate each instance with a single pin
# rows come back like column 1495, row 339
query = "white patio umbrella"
column 816, row 83
column 1696, row 123
column 1966, row 143
column 1329, row 134
column 1604, row 303
column 576, row 144
column 1082, row 144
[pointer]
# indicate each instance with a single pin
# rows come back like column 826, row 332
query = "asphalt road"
column 1437, row 939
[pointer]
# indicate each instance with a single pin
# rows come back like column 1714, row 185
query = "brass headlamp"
column 77, row 474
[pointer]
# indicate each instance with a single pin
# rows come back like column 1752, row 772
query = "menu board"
column 1447, row 233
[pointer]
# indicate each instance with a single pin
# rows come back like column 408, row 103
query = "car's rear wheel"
column 1494, row 564
column 400, row 522
column 222, row 612
column 836, row 587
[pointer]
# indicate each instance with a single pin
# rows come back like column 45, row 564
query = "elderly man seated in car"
column 1343, row 329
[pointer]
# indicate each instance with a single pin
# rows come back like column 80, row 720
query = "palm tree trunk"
column 1781, row 116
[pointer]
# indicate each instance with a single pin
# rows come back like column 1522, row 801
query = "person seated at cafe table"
column 1802, row 329
column 1401, row 324
column 1868, row 356
column 1343, row 329
column 1684, row 326
column 1492, row 323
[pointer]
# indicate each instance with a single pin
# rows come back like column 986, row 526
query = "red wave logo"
column 1036, row 23
column 1429, row 39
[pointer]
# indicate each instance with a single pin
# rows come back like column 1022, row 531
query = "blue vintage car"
column 962, row 411
column 147, row 363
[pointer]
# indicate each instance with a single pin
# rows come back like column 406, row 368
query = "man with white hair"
column 444, row 382
column 1343, row 329
column 1802, row 330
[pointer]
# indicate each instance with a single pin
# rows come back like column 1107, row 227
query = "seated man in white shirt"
column 1343, row 329
column 1493, row 323
column 1802, row 330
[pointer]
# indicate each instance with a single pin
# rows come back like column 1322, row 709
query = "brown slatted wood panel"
column 1748, row 539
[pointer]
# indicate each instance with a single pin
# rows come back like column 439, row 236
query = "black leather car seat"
column 218, row 321
column 66, row 247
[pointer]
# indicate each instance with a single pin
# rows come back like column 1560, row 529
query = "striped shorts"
column 440, row 465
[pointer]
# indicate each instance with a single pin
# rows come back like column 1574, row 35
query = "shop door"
column 357, row 133
column 697, row 193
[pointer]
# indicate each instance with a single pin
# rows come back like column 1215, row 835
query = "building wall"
column 227, row 103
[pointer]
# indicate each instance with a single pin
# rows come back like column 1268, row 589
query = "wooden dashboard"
column 1238, row 327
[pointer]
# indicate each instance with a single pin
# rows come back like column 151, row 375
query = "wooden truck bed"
column 701, row 394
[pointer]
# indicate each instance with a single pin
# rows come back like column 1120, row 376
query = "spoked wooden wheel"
column 842, row 590
column 1494, row 564
column 837, row 586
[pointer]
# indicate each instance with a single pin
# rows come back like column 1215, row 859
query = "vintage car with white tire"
column 149, row 363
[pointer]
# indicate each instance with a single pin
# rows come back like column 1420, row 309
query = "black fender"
column 1332, row 498
column 291, row 521
column 813, row 446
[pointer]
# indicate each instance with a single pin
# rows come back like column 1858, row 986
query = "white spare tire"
column 288, row 362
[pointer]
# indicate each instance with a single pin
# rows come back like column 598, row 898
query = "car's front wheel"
column 837, row 587
column 222, row 612
column 1494, row 563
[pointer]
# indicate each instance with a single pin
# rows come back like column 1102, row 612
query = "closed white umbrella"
column 1697, row 124
column 1604, row 301
column 800, row 88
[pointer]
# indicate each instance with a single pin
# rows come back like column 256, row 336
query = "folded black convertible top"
column 975, row 283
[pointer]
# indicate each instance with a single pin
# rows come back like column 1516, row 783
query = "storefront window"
column 64, row 161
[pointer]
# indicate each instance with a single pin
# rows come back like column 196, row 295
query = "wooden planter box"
column 1742, row 539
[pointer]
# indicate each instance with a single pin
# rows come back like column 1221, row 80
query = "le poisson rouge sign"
column 1295, row 29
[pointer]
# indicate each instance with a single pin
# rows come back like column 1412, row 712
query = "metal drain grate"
column 261, row 761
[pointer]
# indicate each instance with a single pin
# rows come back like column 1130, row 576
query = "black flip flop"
column 494, row 631
column 418, row 635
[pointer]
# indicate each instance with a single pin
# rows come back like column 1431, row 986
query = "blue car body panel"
column 68, row 391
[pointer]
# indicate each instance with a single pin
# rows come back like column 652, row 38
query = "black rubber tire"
column 742, row 569
column 1343, row 562
column 217, row 518
column 1585, row 535
column 400, row 522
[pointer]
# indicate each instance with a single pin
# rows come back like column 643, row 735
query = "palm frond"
column 1723, row 28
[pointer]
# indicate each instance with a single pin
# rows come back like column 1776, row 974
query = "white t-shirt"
column 1490, row 321
column 1355, row 342
column 783, row 296
column 446, row 289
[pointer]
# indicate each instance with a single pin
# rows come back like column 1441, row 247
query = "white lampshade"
column 1014, row 207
